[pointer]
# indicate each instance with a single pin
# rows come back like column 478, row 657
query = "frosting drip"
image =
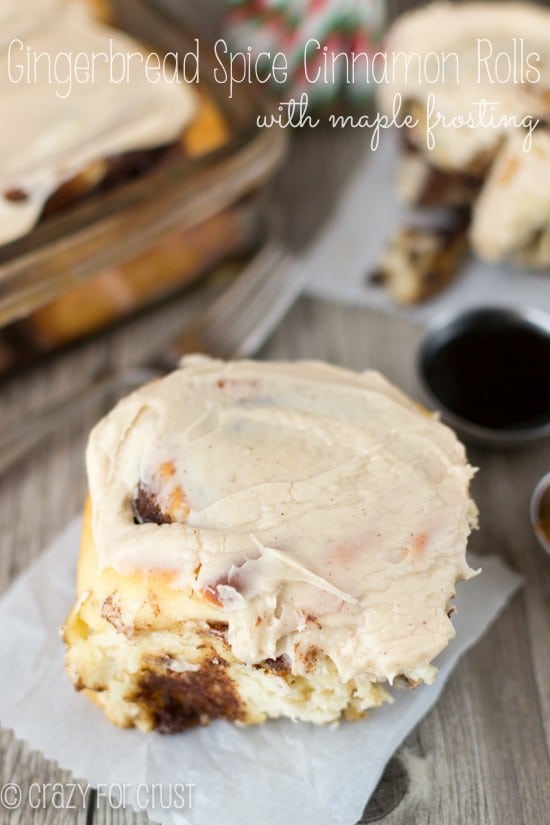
column 314, row 508
column 52, row 130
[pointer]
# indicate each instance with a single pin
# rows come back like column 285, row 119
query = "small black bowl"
column 488, row 371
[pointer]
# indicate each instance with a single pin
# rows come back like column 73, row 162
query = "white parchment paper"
column 366, row 216
column 276, row 774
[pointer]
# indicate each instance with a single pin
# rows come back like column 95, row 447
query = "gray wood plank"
column 481, row 756
column 42, row 799
column 486, row 758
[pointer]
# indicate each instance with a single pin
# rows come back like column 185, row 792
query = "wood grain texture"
column 481, row 757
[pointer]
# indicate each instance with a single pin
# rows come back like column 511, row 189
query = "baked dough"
column 265, row 540
column 498, row 163
column 71, row 124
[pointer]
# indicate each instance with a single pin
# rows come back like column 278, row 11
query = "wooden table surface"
column 482, row 754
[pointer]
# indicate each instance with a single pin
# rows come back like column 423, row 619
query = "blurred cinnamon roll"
column 475, row 80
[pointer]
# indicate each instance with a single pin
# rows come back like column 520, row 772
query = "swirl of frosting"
column 310, row 506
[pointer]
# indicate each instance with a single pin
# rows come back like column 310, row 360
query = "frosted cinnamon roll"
column 512, row 215
column 265, row 540
column 475, row 80
column 84, row 109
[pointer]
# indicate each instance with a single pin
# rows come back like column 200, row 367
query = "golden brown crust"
column 101, row 9
column 209, row 129
column 156, row 658
column 175, row 261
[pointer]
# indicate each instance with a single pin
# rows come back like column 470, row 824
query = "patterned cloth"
column 341, row 29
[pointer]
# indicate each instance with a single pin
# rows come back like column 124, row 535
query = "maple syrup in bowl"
column 488, row 371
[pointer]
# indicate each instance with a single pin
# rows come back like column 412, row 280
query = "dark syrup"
column 494, row 372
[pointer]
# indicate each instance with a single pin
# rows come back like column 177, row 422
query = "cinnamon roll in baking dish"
column 74, row 125
column 265, row 540
column 88, row 112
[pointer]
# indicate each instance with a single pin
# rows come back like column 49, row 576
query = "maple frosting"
column 56, row 118
column 323, row 508
column 519, row 48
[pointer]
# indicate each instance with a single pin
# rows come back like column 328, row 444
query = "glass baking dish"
column 195, row 208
